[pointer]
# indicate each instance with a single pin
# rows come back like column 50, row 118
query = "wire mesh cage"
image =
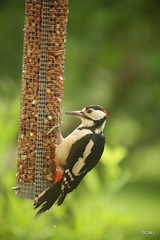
column 41, row 96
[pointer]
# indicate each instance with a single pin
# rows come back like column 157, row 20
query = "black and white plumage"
column 76, row 155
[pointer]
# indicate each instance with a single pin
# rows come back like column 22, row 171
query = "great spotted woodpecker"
column 76, row 155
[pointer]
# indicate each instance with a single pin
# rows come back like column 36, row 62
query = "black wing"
column 95, row 153
column 95, row 143
column 84, row 155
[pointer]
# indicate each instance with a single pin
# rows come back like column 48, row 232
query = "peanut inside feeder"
column 42, row 92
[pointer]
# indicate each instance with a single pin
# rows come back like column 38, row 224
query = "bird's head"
column 93, row 116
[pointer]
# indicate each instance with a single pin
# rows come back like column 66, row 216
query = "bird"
column 76, row 155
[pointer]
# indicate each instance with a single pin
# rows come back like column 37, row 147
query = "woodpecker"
column 76, row 155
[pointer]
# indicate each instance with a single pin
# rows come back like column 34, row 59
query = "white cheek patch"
column 81, row 161
column 97, row 115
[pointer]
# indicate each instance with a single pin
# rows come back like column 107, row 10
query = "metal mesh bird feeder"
column 41, row 96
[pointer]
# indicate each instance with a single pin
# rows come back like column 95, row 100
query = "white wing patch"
column 81, row 160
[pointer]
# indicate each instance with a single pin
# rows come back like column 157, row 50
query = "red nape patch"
column 105, row 112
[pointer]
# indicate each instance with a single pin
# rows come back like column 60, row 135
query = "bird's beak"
column 76, row 113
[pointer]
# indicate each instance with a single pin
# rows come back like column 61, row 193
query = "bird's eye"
column 89, row 110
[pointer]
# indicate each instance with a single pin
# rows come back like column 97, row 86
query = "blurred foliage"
column 112, row 59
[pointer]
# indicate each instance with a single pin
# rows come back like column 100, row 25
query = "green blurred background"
column 112, row 59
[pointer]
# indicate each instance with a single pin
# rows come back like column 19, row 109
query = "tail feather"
column 61, row 198
column 47, row 198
